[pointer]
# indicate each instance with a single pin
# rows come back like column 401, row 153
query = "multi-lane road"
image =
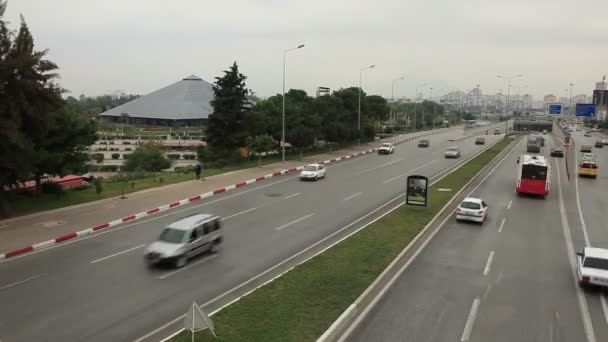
column 99, row 289
column 510, row 279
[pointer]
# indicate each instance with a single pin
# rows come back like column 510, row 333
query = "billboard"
column 585, row 109
column 553, row 109
column 417, row 187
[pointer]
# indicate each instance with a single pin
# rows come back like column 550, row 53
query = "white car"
column 386, row 148
column 472, row 209
column 313, row 172
column 592, row 267
column 452, row 152
column 589, row 157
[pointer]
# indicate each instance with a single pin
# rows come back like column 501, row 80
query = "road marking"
column 488, row 264
column 582, row 303
column 585, row 234
column 19, row 282
column 380, row 166
column 502, row 224
column 294, row 195
column 487, row 292
column 237, row 214
column 298, row 220
column 348, row 198
column 116, row 254
column 204, row 260
column 407, row 173
column 469, row 326
column 604, row 306
column 509, row 205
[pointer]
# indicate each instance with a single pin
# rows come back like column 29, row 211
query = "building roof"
column 187, row 99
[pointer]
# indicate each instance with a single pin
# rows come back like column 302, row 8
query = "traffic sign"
column 585, row 109
column 553, row 109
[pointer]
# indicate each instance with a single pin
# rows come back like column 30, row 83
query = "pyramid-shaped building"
column 184, row 103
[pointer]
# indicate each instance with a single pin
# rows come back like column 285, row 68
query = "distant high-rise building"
column 581, row 98
column 550, row 98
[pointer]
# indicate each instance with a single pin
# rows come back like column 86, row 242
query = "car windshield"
column 470, row 205
column 589, row 166
column 310, row 168
column 597, row 263
column 386, row 145
column 558, row 149
column 172, row 235
column 534, row 172
column 452, row 148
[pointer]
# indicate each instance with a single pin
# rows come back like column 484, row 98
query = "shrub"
column 102, row 149
column 97, row 157
column 173, row 156
column 388, row 130
column 108, row 168
column 128, row 149
column 190, row 156
column 126, row 156
column 147, row 157
column 52, row 188
column 126, row 143
column 115, row 155
column 111, row 143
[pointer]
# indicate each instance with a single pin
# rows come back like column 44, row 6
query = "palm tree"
column 125, row 121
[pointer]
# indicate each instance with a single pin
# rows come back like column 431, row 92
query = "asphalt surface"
column 510, row 279
column 99, row 288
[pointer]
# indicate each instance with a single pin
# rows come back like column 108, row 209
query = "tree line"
column 39, row 134
column 236, row 122
column 97, row 104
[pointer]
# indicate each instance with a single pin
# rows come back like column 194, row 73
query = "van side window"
column 194, row 235
column 217, row 225
column 206, row 228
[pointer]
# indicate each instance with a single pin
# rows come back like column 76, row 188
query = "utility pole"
column 359, row 110
column 570, row 102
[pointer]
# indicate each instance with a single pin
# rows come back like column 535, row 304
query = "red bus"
column 533, row 175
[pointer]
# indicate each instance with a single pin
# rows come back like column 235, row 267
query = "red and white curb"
column 94, row 229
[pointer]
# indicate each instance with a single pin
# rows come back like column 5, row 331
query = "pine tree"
column 227, row 129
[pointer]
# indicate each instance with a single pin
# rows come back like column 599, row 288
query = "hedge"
column 173, row 156
column 115, row 155
column 190, row 156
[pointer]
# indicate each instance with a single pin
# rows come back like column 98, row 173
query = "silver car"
column 452, row 152
column 184, row 239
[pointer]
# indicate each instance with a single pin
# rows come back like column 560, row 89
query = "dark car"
column 480, row 141
column 557, row 152
column 599, row 144
column 424, row 143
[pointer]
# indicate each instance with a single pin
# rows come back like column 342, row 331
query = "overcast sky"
column 141, row 45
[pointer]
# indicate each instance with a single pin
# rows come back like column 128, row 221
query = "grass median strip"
column 302, row 304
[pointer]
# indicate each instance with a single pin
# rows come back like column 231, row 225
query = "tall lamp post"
column 393, row 94
column 570, row 102
column 415, row 103
column 509, row 88
column 518, row 98
column 283, row 129
column 359, row 110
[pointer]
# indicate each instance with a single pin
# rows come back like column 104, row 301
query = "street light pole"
column 415, row 103
column 393, row 95
column 570, row 102
column 283, row 118
column 508, row 88
column 359, row 110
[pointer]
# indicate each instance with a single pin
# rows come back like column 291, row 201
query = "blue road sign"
column 554, row 109
column 585, row 109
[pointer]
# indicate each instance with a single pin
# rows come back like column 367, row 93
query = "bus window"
column 534, row 172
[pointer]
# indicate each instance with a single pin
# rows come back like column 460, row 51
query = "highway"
column 510, row 279
column 99, row 289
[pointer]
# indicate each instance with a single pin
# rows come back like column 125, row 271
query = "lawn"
column 302, row 304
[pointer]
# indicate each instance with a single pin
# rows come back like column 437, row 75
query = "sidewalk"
column 35, row 228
